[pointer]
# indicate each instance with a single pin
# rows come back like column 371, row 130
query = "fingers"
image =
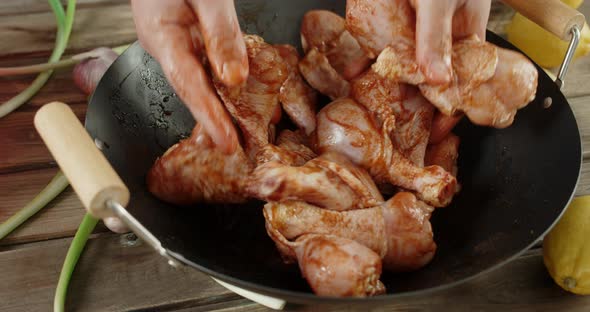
column 472, row 18
column 223, row 40
column 434, row 38
column 116, row 225
column 191, row 83
column 149, row 15
column 166, row 30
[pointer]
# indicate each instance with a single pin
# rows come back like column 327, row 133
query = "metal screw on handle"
column 140, row 231
column 569, row 55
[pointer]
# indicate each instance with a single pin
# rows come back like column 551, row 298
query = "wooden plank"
column 16, row 7
column 519, row 286
column 59, row 87
column 60, row 218
column 21, row 148
column 577, row 81
column 581, row 108
column 113, row 274
column 110, row 25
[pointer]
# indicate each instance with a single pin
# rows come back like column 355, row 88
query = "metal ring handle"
column 140, row 231
column 569, row 56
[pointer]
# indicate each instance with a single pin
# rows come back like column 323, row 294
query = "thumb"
column 434, row 20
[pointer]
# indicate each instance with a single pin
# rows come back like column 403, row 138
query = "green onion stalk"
column 65, row 21
column 74, row 252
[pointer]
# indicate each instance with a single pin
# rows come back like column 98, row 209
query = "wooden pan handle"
column 88, row 171
column 553, row 15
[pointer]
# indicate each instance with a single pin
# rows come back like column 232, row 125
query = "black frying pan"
column 516, row 182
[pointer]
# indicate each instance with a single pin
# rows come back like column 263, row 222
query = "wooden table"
column 118, row 273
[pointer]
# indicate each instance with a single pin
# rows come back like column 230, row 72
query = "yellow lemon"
column 566, row 248
column 540, row 45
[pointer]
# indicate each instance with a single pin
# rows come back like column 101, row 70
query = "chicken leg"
column 346, row 127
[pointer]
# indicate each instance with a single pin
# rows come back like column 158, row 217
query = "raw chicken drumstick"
column 290, row 149
column 489, row 84
column 329, row 181
column 194, row 170
column 253, row 104
column 444, row 153
column 333, row 56
column 393, row 102
column 398, row 230
column 297, row 97
column 346, row 127
column 325, row 31
column 334, row 266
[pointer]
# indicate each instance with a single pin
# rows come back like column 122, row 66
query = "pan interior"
column 515, row 182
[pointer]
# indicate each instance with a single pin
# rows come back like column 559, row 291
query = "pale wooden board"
column 21, row 148
column 34, row 6
column 60, row 87
column 112, row 275
column 522, row 285
column 581, row 108
column 143, row 282
column 60, row 218
column 98, row 23
column 102, row 282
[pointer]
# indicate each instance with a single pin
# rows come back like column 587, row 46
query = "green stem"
column 36, row 68
column 74, row 252
column 64, row 28
column 121, row 49
column 54, row 188
column 58, row 11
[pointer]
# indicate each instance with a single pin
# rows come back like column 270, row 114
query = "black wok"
column 516, row 181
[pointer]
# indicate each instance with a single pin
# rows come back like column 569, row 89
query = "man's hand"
column 175, row 32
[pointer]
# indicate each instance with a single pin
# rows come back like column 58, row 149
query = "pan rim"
column 307, row 298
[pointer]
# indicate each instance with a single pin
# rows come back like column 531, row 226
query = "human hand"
column 176, row 33
column 438, row 22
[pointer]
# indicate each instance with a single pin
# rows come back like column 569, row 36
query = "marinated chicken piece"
column 253, row 104
column 290, row 149
column 318, row 72
column 482, row 73
column 333, row 266
column 442, row 125
column 297, row 97
column 289, row 137
column 394, row 102
column 329, row 181
column 378, row 23
column 325, row 31
column 347, row 128
column 378, row 95
column 414, row 120
column 194, row 170
column 444, row 153
column 286, row 154
column 338, row 267
column 399, row 230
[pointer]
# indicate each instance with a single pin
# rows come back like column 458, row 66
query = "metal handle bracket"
column 569, row 56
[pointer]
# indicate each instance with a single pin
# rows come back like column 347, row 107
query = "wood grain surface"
column 117, row 273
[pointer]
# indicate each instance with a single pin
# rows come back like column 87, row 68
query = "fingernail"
column 230, row 141
column 233, row 73
column 116, row 225
column 439, row 72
